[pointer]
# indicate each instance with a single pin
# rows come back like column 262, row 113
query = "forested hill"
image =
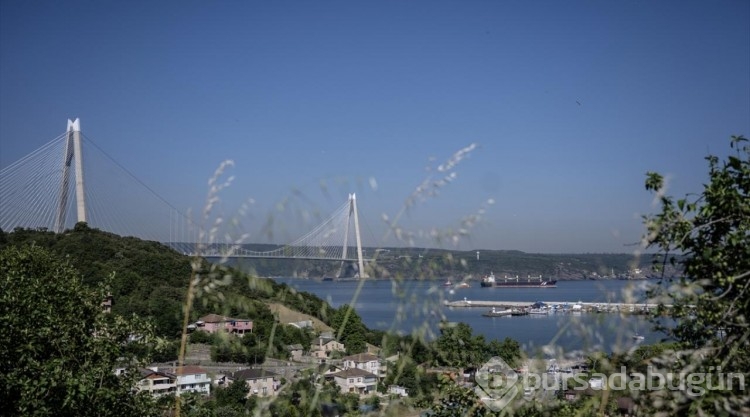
column 151, row 280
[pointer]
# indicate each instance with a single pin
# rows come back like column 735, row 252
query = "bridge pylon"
column 72, row 153
column 353, row 213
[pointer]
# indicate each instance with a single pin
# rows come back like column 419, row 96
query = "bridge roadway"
column 622, row 307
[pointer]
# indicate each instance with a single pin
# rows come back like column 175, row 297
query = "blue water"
column 411, row 305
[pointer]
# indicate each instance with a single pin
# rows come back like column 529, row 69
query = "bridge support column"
column 361, row 263
column 72, row 152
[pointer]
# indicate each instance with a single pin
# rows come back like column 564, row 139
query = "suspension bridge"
column 70, row 180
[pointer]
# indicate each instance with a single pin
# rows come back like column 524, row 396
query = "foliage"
column 458, row 347
column 234, row 396
column 509, row 350
column 711, row 301
column 59, row 350
column 149, row 279
column 349, row 329
column 458, row 401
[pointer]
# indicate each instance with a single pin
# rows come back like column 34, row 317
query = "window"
column 351, row 380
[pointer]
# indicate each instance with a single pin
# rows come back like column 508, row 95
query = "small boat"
column 447, row 283
column 497, row 313
column 463, row 284
column 637, row 336
column 517, row 312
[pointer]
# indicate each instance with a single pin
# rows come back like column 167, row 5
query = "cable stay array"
column 44, row 190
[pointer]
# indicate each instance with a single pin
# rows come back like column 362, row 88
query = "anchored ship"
column 529, row 282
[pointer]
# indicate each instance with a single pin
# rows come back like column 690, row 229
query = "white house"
column 398, row 390
column 355, row 380
column 192, row 379
column 365, row 361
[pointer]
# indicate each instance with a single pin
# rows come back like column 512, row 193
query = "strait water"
column 409, row 305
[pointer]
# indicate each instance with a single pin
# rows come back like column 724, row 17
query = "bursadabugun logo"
column 496, row 384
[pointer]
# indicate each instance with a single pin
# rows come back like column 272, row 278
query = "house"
column 213, row 323
column 157, row 383
column 261, row 382
column 192, row 379
column 322, row 347
column 398, row 390
column 364, row 361
column 295, row 352
column 107, row 303
column 355, row 380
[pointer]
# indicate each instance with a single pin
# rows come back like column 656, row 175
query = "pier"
column 584, row 306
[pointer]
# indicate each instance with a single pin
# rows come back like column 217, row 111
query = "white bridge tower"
column 353, row 210
column 72, row 153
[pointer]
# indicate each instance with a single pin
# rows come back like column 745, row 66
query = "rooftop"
column 361, row 357
column 246, row 374
column 354, row 372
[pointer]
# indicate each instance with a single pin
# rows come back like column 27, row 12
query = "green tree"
column 707, row 237
column 350, row 329
column 234, row 395
column 509, row 350
column 59, row 350
column 456, row 346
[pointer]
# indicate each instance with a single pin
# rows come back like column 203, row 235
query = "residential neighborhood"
column 359, row 373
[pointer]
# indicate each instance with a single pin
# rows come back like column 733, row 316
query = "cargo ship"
column 529, row 282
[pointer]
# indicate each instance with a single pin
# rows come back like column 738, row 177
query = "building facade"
column 157, row 383
column 261, row 382
column 213, row 323
column 354, row 380
column 365, row 361
column 193, row 379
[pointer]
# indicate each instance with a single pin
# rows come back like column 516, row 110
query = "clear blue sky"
column 569, row 102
